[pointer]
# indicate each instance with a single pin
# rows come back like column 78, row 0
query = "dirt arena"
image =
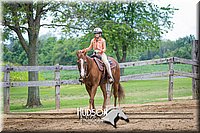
column 178, row 115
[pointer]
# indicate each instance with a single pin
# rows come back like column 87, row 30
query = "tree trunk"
column 116, row 49
column 33, row 92
column 31, row 13
column 124, row 50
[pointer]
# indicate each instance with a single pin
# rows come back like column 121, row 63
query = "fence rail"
column 37, row 68
column 39, row 83
column 9, row 69
column 57, row 82
column 122, row 65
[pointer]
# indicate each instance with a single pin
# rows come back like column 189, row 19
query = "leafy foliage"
column 179, row 48
column 128, row 25
column 62, row 51
column 14, row 53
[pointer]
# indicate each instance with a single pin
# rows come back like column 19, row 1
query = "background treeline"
column 53, row 50
column 180, row 48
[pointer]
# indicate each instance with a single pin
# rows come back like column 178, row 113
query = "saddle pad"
column 101, row 65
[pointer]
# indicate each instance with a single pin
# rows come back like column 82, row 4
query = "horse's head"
column 82, row 63
column 119, row 113
column 123, row 116
column 113, row 115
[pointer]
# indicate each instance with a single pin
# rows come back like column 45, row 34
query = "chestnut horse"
column 92, row 76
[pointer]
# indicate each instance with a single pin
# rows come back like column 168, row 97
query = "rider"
column 99, row 46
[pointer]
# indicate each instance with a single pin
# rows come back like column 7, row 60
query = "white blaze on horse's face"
column 82, row 68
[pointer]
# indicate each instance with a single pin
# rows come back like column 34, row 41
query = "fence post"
column 6, row 90
column 171, row 79
column 122, row 71
column 195, row 80
column 57, row 86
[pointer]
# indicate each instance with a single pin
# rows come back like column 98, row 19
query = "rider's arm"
column 104, row 46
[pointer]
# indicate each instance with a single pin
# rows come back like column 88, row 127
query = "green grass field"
column 66, row 75
column 74, row 96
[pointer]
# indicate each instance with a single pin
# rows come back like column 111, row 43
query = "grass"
column 66, row 75
column 74, row 96
column 156, row 68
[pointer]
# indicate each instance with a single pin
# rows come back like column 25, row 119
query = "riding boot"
column 110, row 79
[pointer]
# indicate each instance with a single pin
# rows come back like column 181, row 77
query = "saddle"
column 100, row 64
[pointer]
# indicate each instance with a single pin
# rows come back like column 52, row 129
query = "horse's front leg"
column 89, row 90
column 103, row 88
column 92, row 94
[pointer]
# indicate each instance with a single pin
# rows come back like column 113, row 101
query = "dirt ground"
column 178, row 115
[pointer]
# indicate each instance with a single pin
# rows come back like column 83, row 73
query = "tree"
column 46, row 46
column 25, row 18
column 180, row 48
column 14, row 53
column 126, row 26
column 67, row 50
column 183, row 47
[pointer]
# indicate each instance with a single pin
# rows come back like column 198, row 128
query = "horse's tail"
column 121, row 94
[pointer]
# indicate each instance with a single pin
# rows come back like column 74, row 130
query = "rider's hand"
column 101, row 52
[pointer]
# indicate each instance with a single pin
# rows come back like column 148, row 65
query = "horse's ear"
column 78, row 52
column 84, row 53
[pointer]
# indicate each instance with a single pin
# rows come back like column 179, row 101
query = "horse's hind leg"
column 103, row 88
column 115, row 92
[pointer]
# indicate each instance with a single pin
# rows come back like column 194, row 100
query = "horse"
column 93, row 77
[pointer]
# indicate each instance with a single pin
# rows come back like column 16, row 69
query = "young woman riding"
column 99, row 46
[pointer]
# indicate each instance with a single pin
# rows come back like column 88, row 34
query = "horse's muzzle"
column 127, row 120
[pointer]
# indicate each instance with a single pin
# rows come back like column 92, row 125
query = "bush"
column 18, row 76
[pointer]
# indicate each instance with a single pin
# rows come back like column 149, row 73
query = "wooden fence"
column 57, row 82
